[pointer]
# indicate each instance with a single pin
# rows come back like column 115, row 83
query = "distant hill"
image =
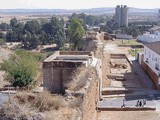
column 134, row 11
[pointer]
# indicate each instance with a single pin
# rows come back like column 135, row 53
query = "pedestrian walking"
column 140, row 103
column 144, row 102
column 123, row 103
column 137, row 104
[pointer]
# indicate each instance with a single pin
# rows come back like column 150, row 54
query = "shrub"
column 13, row 111
column 21, row 69
column 45, row 101
column 42, row 101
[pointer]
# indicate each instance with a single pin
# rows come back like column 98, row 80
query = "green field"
column 133, row 52
column 128, row 42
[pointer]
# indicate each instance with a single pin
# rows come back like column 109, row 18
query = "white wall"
column 148, row 38
column 123, row 36
column 153, row 58
column 140, row 57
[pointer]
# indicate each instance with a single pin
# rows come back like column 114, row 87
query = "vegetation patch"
column 134, row 51
column 21, row 69
column 128, row 42
column 27, row 106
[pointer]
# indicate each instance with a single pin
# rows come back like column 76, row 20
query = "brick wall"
column 144, row 66
column 151, row 73
column 57, row 75
column 153, row 76
column 47, row 77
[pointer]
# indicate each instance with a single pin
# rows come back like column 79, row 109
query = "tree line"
column 91, row 20
column 134, row 28
column 32, row 33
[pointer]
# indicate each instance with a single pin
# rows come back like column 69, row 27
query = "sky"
column 76, row 4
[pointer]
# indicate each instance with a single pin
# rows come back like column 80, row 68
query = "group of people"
column 141, row 103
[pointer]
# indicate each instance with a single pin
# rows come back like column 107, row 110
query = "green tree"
column 2, row 35
column 43, row 39
column 10, row 36
column 90, row 20
column 13, row 22
column 26, row 40
column 76, row 32
column 21, row 69
column 21, row 78
column 55, row 29
column 32, row 26
column 34, row 41
column 15, row 34
column 4, row 26
column 32, row 34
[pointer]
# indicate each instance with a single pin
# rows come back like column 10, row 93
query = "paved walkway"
column 129, row 101
column 146, row 81
column 156, row 101
column 134, row 93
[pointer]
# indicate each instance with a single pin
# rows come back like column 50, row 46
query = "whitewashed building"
column 151, row 61
column 148, row 37
column 124, row 36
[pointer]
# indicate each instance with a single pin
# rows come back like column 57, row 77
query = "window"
column 156, row 59
column 157, row 66
column 149, row 54
column 152, row 56
column 146, row 60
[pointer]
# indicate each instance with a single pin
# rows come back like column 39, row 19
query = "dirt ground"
column 105, row 69
column 111, row 47
column 128, row 115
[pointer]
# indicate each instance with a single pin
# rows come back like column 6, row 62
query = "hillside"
column 105, row 10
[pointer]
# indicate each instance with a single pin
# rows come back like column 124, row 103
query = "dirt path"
column 105, row 69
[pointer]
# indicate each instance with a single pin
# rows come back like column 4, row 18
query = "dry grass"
column 12, row 110
column 24, row 106
column 42, row 101
column 45, row 101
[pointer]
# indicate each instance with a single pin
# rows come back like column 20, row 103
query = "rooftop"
column 69, row 56
column 155, row 46
column 155, row 28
